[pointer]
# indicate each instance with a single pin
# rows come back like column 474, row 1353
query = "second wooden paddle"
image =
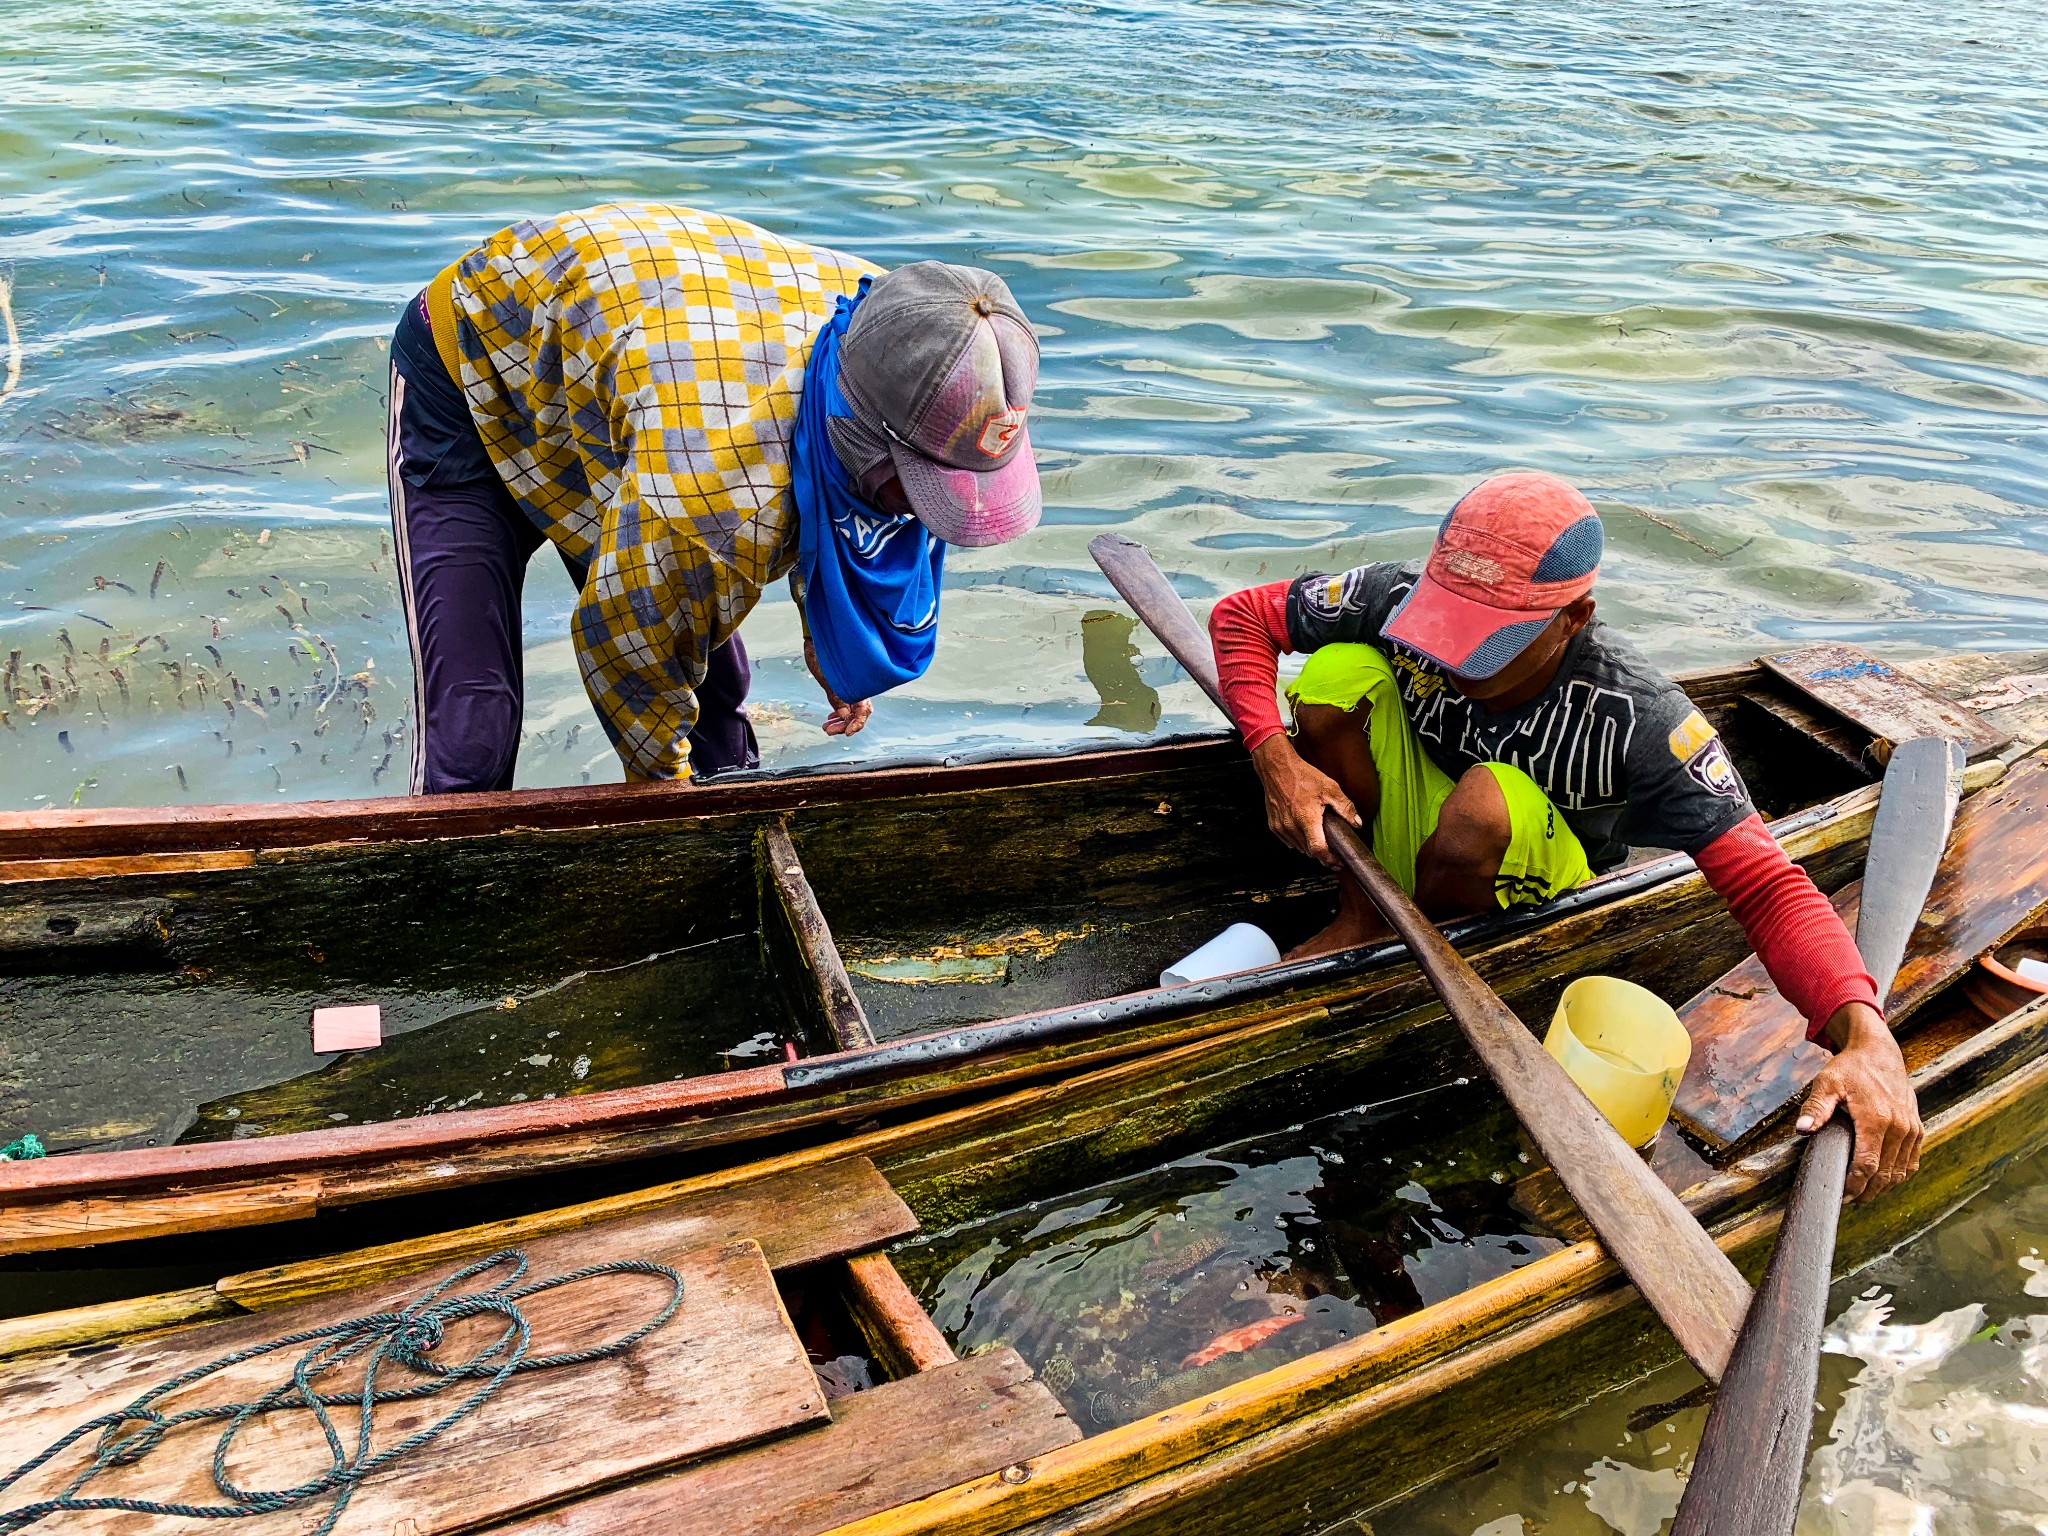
column 1664, row 1250
column 1752, row 1457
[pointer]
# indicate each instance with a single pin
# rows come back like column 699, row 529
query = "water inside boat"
column 1129, row 1296
column 528, row 965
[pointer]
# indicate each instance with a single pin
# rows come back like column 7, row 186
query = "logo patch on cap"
column 1473, row 567
column 1001, row 431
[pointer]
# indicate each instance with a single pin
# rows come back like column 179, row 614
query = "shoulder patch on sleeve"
column 1714, row 771
column 1690, row 735
column 1326, row 597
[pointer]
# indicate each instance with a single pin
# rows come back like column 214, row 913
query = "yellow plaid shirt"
column 633, row 371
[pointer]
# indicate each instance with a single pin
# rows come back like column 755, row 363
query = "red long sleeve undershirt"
column 1249, row 631
column 1793, row 928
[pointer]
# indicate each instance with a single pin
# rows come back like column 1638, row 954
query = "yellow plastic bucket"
column 1625, row 1048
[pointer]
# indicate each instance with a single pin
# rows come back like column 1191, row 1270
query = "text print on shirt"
column 1574, row 748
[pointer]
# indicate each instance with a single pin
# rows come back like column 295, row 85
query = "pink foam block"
column 348, row 1029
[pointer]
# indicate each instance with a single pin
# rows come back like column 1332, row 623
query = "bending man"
column 1503, row 745
column 688, row 408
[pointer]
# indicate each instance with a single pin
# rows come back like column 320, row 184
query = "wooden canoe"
column 162, row 964
column 1298, row 1433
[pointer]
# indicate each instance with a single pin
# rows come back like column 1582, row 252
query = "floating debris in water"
column 1653, row 1414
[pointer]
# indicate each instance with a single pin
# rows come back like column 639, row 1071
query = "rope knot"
column 418, row 1335
column 121, row 1450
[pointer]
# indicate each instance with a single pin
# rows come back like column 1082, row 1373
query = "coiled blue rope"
column 407, row 1337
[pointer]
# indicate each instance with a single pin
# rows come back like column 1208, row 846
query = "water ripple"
column 1767, row 288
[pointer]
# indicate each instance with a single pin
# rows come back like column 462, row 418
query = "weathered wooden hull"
column 1367, row 1009
column 1169, row 830
column 1351, row 1426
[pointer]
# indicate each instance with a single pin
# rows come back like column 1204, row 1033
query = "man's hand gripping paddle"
column 1651, row 1235
column 1752, row 1458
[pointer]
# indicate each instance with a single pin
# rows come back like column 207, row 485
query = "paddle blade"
column 1915, row 810
column 1137, row 577
column 1752, row 1458
column 1661, row 1246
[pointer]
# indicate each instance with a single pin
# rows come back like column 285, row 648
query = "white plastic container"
column 1240, row 947
column 2033, row 970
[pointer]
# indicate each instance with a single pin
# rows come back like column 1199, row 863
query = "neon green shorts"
column 1544, row 857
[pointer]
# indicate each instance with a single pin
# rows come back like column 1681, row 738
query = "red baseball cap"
column 1514, row 550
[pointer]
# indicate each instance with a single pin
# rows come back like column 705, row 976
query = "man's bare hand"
column 847, row 716
column 1296, row 795
column 1868, row 1081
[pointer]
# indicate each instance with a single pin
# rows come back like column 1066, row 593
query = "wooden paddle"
column 1752, row 1457
column 1665, row 1251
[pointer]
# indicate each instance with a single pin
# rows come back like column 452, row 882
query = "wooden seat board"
column 800, row 1217
column 727, row 1370
column 1878, row 696
column 1750, row 1054
column 2008, row 690
column 902, row 1441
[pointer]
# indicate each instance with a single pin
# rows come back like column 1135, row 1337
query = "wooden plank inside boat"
column 904, row 1440
column 898, row 1332
column 1750, row 1053
column 39, row 1227
column 726, row 1370
column 802, row 1216
column 793, row 926
column 1878, row 696
column 2007, row 689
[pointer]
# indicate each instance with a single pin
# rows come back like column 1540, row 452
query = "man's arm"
column 1809, row 954
column 1248, row 630
column 847, row 716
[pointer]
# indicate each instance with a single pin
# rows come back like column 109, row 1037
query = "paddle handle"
column 1747, row 1476
column 1659, row 1243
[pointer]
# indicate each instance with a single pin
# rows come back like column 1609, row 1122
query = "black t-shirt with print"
column 1616, row 745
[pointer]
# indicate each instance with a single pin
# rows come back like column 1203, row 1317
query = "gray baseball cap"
column 939, row 364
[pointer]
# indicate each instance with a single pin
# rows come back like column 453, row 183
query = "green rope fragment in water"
column 23, row 1150
column 406, row 1338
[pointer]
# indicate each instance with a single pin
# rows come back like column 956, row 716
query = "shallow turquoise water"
column 1769, row 282
column 1933, row 1413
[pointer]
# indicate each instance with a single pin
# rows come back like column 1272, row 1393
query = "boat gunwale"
column 115, row 831
column 44, row 836
column 57, row 834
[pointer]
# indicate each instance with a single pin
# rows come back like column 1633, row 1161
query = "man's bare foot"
column 1348, row 931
